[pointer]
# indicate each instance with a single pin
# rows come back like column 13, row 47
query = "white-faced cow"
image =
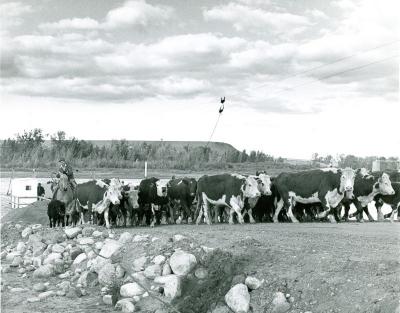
column 391, row 200
column 228, row 190
column 327, row 187
column 264, row 186
column 366, row 187
column 96, row 196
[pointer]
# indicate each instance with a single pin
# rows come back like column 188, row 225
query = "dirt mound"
column 35, row 213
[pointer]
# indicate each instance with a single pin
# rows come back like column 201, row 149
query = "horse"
column 64, row 193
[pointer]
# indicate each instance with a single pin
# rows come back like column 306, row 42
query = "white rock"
column 10, row 257
column 125, row 306
column 252, row 282
column 119, row 271
column 26, row 232
column 97, row 234
column 172, row 285
column 52, row 257
column 130, row 290
column 97, row 264
column 182, row 263
column 125, row 238
column 17, row 261
column 44, row 271
column 279, row 303
column 238, row 298
column 166, row 269
column 110, row 248
column 57, row 248
column 201, row 273
column 39, row 287
column 152, row 271
column 139, row 263
column 85, row 241
column 107, row 299
column 65, row 275
column 21, row 247
column 106, row 274
column 140, row 238
column 37, row 261
column 179, row 237
column 72, row 232
column 33, row 299
column 139, row 277
column 17, row 289
column 80, row 258
column 159, row 259
column 46, row 294
column 36, row 227
column 98, row 245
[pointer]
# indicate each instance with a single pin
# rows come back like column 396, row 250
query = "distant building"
column 385, row 165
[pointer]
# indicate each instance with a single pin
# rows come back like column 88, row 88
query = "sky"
column 299, row 77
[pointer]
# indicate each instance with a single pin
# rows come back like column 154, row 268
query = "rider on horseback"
column 67, row 170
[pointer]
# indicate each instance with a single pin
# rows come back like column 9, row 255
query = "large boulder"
column 238, row 298
column 88, row 231
column 130, row 290
column 72, row 232
column 172, row 285
column 83, row 241
column 79, row 259
column 182, row 263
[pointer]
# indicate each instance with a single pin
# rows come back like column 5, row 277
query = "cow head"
column 347, row 177
column 264, row 184
column 250, row 188
column 192, row 187
column 384, row 185
column 114, row 191
column 133, row 197
column 161, row 189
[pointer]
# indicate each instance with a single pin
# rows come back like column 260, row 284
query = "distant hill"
column 218, row 147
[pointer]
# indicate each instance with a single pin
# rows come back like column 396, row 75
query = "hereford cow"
column 328, row 187
column 228, row 190
column 393, row 201
column 96, row 196
column 366, row 187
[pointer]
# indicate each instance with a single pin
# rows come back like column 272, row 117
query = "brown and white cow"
column 328, row 187
column 228, row 190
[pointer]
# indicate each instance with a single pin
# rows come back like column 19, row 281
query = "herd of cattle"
column 300, row 196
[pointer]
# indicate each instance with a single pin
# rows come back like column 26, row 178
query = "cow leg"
column 346, row 212
column 370, row 218
column 236, row 207
column 279, row 207
column 106, row 218
column 378, row 205
column 395, row 210
column 336, row 213
column 290, row 211
column 250, row 213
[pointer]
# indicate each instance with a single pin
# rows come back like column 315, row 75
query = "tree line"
column 31, row 150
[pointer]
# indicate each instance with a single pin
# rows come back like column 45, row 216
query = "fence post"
column 17, row 202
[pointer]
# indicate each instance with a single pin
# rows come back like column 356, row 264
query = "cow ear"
column 339, row 171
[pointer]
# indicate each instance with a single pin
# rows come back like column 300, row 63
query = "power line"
column 338, row 73
column 212, row 133
column 329, row 63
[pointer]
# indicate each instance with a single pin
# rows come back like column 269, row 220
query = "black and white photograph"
column 183, row 156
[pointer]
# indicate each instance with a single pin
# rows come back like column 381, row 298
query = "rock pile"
column 132, row 273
